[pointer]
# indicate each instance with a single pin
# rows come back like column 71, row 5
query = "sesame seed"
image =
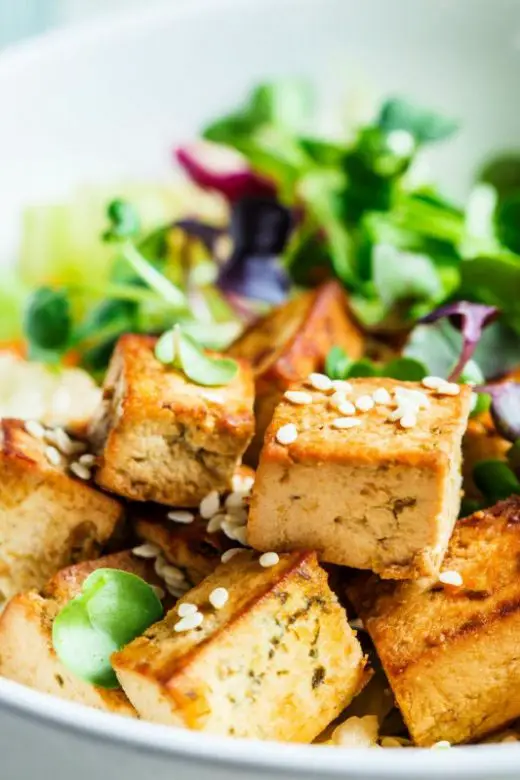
column 79, row 470
column 146, row 550
column 87, row 459
column 448, row 388
column 159, row 592
column 356, row 624
column 346, row 408
column 237, row 518
column 186, row 608
column 215, row 523
column 287, row 434
column 269, row 559
column 432, row 382
column 341, row 385
column 235, row 500
column 34, row 428
column 177, row 591
column 236, row 533
column 63, row 442
column 342, row 423
column 320, row 382
column 218, row 597
column 160, row 564
column 365, row 403
column 381, row 396
column 210, row 505
column 77, row 448
column 413, row 398
column 172, row 575
column 408, row 420
column 443, row 743
column 242, row 483
column 189, row 622
column 298, row 397
column 450, row 578
column 181, row 516
column 52, row 455
column 229, row 554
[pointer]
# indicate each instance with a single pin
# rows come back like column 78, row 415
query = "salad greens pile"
column 302, row 208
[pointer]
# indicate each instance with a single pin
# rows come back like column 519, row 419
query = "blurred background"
column 22, row 18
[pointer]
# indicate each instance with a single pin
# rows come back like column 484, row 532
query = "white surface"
column 108, row 102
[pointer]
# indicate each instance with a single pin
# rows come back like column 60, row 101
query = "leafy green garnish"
column 113, row 608
column 48, row 319
column 496, row 480
column 337, row 363
column 339, row 366
column 178, row 349
column 424, row 126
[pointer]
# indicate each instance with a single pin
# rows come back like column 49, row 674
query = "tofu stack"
column 360, row 479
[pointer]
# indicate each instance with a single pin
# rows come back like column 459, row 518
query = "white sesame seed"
column 147, row 550
column 237, row 518
column 160, row 564
column 346, row 408
column 63, row 442
column 320, row 382
column 381, row 396
column 81, row 471
column 356, row 624
column 408, row 420
column 337, row 398
column 210, row 505
column 87, row 459
column 172, row 575
column 186, row 608
column 448, row 388
column 364, row 403
column 269, row 559
column 413, row 398
column 343, row 423
column 432, row 382
column 177, row 591
column 189, row 622
column 236, row 533
column 298, row 397
column 450, row 578
column 443, row 743
column 235, row 500
column 342, row 386
column 159, row 592
column 34, row 428
column 229, row 554
column 242, row 483
column 77, row 448
column 287, row 434
column 181, row 516
column 218, row 597
column 215, row 523
column 52, row 455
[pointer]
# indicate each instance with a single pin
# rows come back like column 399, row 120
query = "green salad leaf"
column 48, row 319
column 180, row 350
column 496, row 480
column 113, row 608
column 423, row 125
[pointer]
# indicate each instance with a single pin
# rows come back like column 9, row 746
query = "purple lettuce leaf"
column 233, row 184
column 505, row 408
column 470, row 319
column 259, row 230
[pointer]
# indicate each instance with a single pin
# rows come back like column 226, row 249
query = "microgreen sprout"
column 181, row 351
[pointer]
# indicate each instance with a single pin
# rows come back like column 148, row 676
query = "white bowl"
column 106, row 102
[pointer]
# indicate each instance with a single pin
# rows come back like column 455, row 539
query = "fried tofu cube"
column 195, row 547
column 450, row 648
column 291, row 342
column 48, row 517
column 161, row 437
column 361, row 488
column 277, row 661
column 26, row 652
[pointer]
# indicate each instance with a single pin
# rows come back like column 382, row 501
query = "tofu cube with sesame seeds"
column 449, row 646
column 273, row 658
column 187, row 540
column 291, row 342
column 162, row 438
column 49, row 518
column 369, row 477
column 26, row 652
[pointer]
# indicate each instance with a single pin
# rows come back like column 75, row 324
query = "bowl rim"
column 94, row 725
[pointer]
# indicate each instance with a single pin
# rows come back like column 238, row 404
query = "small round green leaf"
column 47, row 319
column 495, row 480
column 203, row 369
column 405, row 369
column 337, row 363
column 124, row 220
column 165, row 350
column 362, row 368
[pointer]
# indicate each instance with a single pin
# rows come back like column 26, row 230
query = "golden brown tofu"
column 481, row 442
column 290, row 343
column 163, row 438
column 48, row 517
column 191, row 547
column 26, row 652
column 450, row 651
column 277, row 661
column 381, row 494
